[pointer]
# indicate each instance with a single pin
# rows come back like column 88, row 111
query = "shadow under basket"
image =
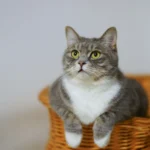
column 132, row 134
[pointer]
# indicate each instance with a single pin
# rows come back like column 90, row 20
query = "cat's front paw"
column 102, row 142
column 73, row 139
column 73, row 132
column 101, row 132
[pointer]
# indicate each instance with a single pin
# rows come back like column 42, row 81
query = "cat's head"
column 90, row 58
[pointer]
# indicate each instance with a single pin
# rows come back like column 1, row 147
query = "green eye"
column 75, row 54
column 95, row 55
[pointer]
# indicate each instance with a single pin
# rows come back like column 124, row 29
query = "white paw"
column 73, row 139
column 103, row 142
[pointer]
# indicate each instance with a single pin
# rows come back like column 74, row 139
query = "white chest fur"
column 90, row 101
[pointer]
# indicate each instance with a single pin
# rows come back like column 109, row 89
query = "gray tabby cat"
column 93, row 89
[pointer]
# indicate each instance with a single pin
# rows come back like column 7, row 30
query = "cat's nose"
column 81, row 63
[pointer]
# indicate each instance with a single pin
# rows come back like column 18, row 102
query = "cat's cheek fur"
column 103, row 142
column 73, row 139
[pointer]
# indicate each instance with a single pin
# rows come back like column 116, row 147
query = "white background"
column 32, row 42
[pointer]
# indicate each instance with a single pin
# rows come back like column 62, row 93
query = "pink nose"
column 81, row 63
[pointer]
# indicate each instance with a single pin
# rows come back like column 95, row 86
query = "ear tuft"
column 71, row 36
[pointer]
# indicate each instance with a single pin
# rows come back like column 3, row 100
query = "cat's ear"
column 71, row 36
column 109, row 38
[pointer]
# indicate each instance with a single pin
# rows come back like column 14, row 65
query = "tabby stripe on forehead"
column 76, row 46
column 84, row 43
column 95, row 47
column 90, row 47
column 80, row 45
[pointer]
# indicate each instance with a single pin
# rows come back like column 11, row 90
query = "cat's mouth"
column 81, row 70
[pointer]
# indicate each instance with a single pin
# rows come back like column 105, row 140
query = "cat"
column 92, row 88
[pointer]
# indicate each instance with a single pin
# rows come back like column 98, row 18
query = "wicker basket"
column 130, row 135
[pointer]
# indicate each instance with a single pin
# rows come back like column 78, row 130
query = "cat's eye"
column 75, row 54
column 95, row 55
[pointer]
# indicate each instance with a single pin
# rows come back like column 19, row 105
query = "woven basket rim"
column 44, row 99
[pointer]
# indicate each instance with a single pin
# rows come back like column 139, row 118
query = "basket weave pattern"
column 132, row 134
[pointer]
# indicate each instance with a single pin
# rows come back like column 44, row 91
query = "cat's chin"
column 82, row 76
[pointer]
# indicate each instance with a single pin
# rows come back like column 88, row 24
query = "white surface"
column 32, row 41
